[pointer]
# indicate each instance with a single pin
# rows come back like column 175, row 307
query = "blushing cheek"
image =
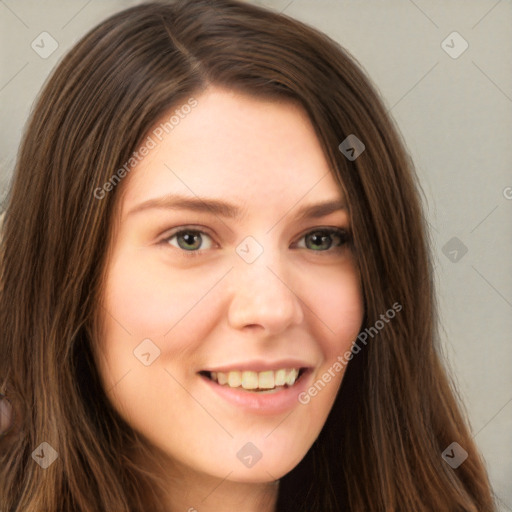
column 147, row 301
column 149, row 298
column 340, row 308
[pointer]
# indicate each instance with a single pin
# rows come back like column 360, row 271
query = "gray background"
column 455, row 115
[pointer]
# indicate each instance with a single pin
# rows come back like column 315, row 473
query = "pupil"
column 317, row 239
column 189, row 239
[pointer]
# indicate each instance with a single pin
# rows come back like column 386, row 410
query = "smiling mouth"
column 268, row 381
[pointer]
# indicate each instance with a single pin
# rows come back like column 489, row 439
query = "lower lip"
column 262, row 403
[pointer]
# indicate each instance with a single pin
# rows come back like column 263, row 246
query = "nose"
column 263, row 297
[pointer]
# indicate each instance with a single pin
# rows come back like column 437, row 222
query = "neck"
column 210, row 494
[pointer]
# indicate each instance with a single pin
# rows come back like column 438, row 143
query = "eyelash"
column 343, row 234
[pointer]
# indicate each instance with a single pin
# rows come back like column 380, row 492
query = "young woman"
column 216, row 291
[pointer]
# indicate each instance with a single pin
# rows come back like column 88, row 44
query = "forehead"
column 254, row 151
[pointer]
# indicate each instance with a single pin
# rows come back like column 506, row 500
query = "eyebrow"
column 229, row 210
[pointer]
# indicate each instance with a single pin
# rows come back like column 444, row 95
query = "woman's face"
column 220, row 271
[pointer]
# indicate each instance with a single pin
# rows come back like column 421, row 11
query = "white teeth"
column 249, row 380
column 291, row 377
column 234, row 379
column 256, row 380
column 280, row 378
column 266, row 380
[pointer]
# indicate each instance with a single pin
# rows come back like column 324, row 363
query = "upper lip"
column 259, row 366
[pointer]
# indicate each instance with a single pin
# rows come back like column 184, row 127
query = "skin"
column 294, row 300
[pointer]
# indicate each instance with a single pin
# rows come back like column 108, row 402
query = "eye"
column 190, row 240
column 322, row 240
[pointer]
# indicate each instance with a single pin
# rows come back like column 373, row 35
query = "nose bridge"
column 260, row 292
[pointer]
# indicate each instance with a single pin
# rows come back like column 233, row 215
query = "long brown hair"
column 396, row 411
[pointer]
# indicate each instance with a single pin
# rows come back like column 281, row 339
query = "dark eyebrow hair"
column 229, row 210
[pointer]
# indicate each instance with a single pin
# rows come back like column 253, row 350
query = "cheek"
column 142, row 303
column 336, row 299
column 150, row 299
column 339, row 311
